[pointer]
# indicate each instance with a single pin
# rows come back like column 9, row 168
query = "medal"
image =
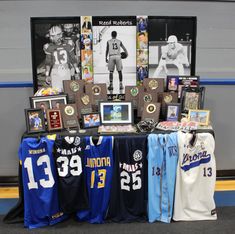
column 74, row 86
column 85, row 99
column 69, row 110
column 151, row 108
column 96, row 90
column 134, row 91
column 153, row 84
column 168, row 98
column 147, row 97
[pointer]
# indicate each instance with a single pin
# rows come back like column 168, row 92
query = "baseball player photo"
column 171, row 46
column 114, row 52
column 55, row 51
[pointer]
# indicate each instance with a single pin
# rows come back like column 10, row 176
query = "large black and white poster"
column 55, row 51
column 172, row 45
column 114, row 52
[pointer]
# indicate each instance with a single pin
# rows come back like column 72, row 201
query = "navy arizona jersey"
column 71, row 179
column 41, row 206
column 98, row 171
column 129, row 186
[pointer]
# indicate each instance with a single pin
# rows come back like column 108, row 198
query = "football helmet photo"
column 55, row 34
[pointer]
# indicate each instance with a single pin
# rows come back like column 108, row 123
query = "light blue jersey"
column 162, row 164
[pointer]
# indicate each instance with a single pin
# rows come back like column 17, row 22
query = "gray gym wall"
column 215, row 59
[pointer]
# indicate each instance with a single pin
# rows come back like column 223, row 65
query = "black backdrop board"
column 125, row 27
column 40, row 27
column 165, row 31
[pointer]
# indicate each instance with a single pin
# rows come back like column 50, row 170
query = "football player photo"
column 55, row 51
column 172, row 42
column 114, row 52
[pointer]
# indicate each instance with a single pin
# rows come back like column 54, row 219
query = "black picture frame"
column 173, row 112
column 40, row 37
column 124, row 110
column 50, row 101
column 184, row 29
column 35, row 122
column 95, row 122
column 192, row 98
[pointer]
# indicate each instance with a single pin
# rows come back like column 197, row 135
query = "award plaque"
column 146, row 97
column 153, row 84
column 166, row 98
column 151, row 111
column 71, row 87
column 132, row 94
column 54, row 120
column 69, row 115
column 83, row 103
column 97, row 92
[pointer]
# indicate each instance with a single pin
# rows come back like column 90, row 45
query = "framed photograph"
column 114, row 35
column 192, row 98
column 173, row 112
column 172, row 45
column 91, row 120
column 55, row 50
column 35, row 121
column 54, row 119
column 116, row 112
column 172, row 83
column 202, row 117
column 187, row 81
column 48, row 102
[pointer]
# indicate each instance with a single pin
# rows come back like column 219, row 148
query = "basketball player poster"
column 114, row 52
column 172, row 46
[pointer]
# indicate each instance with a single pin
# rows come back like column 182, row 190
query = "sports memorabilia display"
column 148, row 154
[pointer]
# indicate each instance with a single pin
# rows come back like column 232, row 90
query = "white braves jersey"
column 195, row 178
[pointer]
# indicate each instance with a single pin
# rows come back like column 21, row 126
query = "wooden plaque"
column 166, row 98
column 72, row 87
column 69, row 115
column 146, row 97
column 83, row 103
column 154, row 84
column 132, row 94
column 151, row 111
column 97, row 92
column 54, row 120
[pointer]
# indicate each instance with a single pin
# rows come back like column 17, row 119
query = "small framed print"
column 50, row 102
column 91, row 120
column 187, row 81
column 172, row 83
column 173, row 112
column 116, row 112
column 35, row 121
column 54, row 120
column 151, row 111
column 201, row 117
column 192, row 98
column 69, row 115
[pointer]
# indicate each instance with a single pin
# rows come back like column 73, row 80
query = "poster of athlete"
column 55, row 51
column 172, row 46
column 114, row 52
